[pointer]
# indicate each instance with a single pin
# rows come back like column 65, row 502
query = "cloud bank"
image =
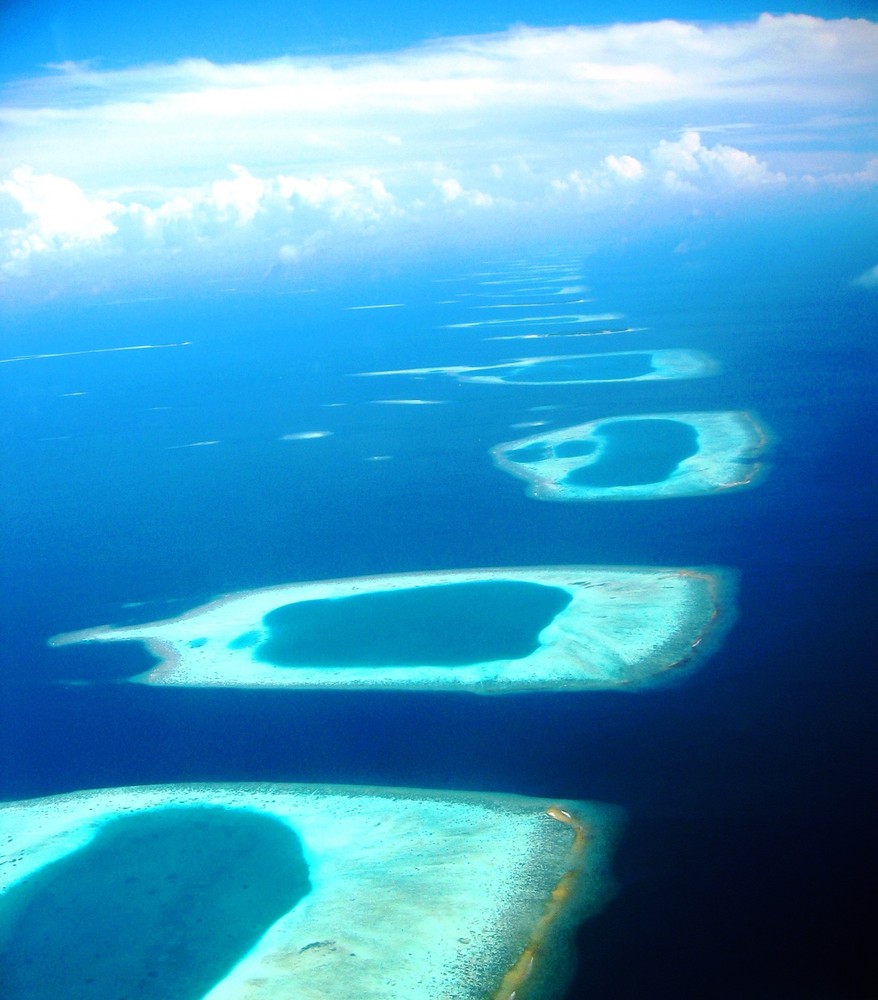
column 290, row 152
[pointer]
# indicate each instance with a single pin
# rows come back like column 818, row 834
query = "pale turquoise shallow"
column 251, row 892
column 489, row 631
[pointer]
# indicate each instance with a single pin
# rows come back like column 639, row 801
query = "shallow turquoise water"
column 612, row 366
column 449, row 625
column 574, row 449
column 638, row 452
column 158, row 905
column 536, row 452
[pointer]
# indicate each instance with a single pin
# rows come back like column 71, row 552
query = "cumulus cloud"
column 674, row 166
column 453, row 191
column 239, row 199
column 629, row 168
column 686, row 162
column 852, row 178
column 55, row 214
column 58, row 213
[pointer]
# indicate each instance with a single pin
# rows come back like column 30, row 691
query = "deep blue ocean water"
column 745, row 866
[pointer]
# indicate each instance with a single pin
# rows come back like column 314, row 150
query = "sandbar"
column 578, row 369
column 640, row 457
column 488, row 631
column 402, row 894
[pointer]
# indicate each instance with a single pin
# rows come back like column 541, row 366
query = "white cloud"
column 56, row 215
column 853, row 178
column 627, row 167
column 523, row 120
column 868, row 279
column 522, row 91
column 59, row 214
column 239, row 199
column 579, row 182
column 686, row 163
column 453, row 191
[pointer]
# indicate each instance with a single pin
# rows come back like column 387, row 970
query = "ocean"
column 236, row 449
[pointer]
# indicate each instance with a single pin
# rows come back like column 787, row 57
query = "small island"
column 489, row 631
column 640, row 457
column 324, row 892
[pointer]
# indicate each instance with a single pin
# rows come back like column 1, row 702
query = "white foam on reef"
column 530, row 305
column 729, row 446
column 94, row 350
column 665, row 364
column 558, row 320
column 528, row 279
column 416, row 895
column 568, row 336
column 381, row 305
column 408, row 402
column 305, row 436
column 623, row 628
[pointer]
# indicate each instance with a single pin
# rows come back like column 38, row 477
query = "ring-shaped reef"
column 247, row 892
column 640, row 457
column 490, row 631
column 578, row 369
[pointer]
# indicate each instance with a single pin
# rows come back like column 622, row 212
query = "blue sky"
column 188, row 137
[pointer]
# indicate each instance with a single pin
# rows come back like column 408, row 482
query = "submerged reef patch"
column 393, row 893
column 490, row 631
column 578, row 369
